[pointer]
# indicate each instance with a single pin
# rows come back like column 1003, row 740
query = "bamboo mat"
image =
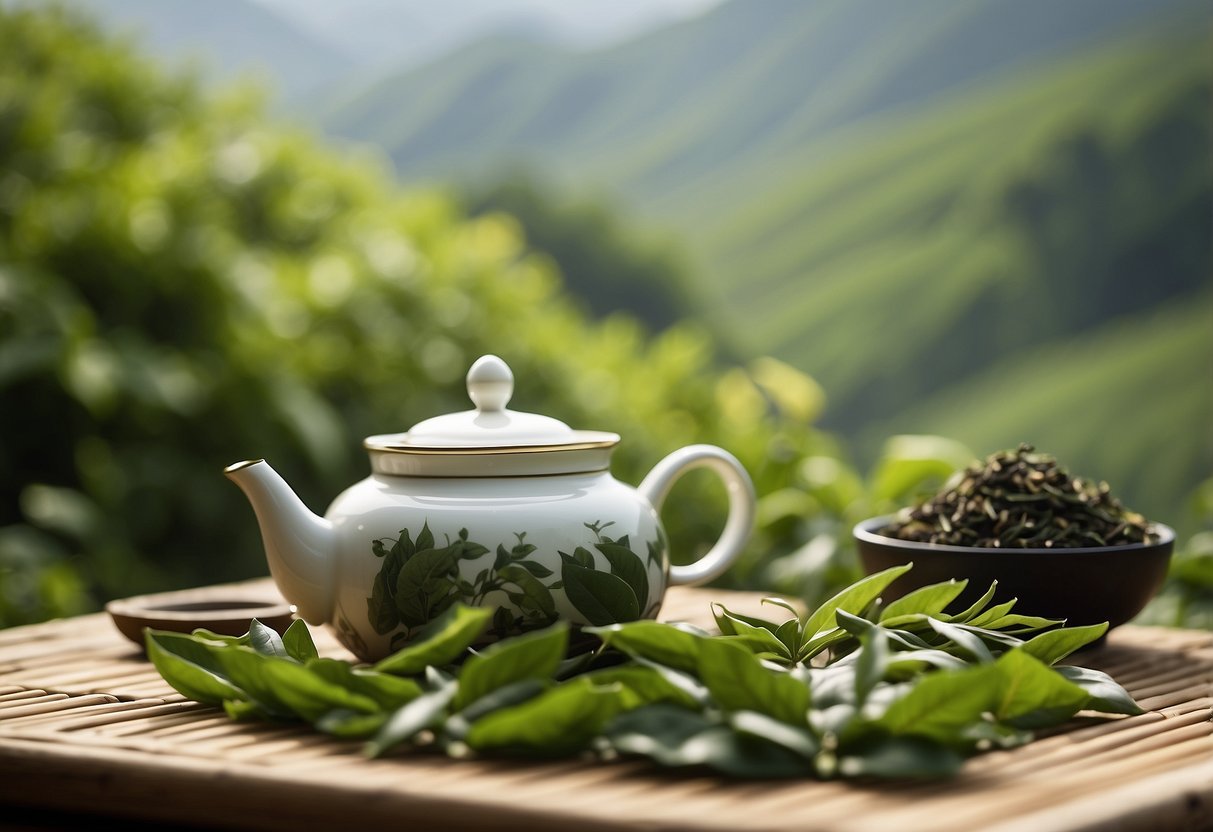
column 87, row 725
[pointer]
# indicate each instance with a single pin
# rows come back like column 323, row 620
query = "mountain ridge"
column 689, row 62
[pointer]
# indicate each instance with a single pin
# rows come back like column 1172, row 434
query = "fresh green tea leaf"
column 1031, row 694
column 824, row 640
column 389, row 692
column 208, row 635
column 575, row 665
column 409, row 720
column 1022, row 623
column 1103, row 693
column 859, row 627
column 909, row 663
column 726, row 619
column 853, row 599
column 265, row 640
column 993, row 614
column 987, row 734
column 659, row 732
column 246, row 668
column 738, row 681
column 504, row 697
column 458, row 724
column 351, row 724
column 665, row 644
column 881, row 697
column 854, row 624
column 190, row 667
column 964, row 639
column 796, row 739
column 784, row 603
column 654, row 683
column 999, row 640
column 977, row 607
column 929, row 600
column 1055, row 645
column 871, row 663
column 757, row 638
column 244, row 710
column 563, row 719
column 534, row 655
column 910, row 621
column 297, row 641
column 672, row 736
column 307, row 694
column 440, row 642
column 834, row 720
column 900, row 757
column 943, row 704
column 789, row 635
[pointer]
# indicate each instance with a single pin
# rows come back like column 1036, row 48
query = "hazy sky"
column 368, row 28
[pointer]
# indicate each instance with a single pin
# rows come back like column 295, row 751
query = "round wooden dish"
column 1083, row 586
column 184, row 612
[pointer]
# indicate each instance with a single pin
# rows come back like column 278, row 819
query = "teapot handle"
column 656, row 487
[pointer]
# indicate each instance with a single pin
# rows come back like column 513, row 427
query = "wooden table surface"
column 87, row 725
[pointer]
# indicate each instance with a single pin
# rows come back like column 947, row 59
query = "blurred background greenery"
column 818, row 234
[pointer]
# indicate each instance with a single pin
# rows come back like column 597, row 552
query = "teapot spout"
column 300, row 547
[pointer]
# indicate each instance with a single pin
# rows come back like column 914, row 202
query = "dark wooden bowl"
column 224, row 610
column 1081, row 585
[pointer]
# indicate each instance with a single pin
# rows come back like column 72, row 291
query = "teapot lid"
column 490, row 440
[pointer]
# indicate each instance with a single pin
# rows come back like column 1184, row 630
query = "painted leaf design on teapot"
column 419, row 579
column 609, row 597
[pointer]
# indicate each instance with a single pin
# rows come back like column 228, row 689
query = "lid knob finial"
column 490, row 383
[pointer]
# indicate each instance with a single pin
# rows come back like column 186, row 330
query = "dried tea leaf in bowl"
column 1021, row 499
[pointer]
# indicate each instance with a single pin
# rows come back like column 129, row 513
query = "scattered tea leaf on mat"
column 440, row 642
column 849, row 691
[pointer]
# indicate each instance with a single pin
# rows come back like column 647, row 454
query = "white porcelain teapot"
column 488, row 507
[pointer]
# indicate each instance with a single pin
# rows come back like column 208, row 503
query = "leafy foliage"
column 855, row 689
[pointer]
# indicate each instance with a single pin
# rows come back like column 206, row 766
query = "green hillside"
column 745, row 80
column 983, row 225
